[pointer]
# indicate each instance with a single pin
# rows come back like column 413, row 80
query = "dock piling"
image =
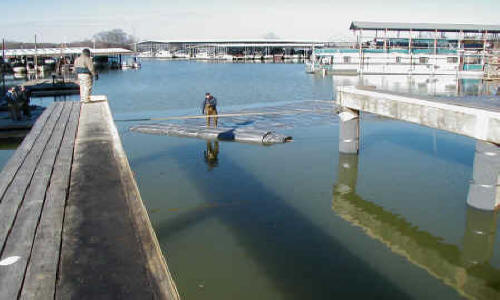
column 484, row 190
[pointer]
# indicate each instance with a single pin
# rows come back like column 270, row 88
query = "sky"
column 66, row 21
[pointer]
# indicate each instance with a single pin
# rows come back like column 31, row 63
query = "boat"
column 19, row 68
column 203, row 55
column 164, row 54
column 221, row 56
column 181, row 54
column 147, row 54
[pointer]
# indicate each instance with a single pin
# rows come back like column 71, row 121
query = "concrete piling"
column 484, row 190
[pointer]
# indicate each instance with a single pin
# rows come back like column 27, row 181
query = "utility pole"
column 3, row 67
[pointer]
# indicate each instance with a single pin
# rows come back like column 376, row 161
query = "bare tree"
column 271, row 36
column 115, row 37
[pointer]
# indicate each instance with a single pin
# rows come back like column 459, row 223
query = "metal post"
column 36, row 60
column 435, row 42
column 484, row 189
column 385, row 41
column 485, row 39
column 360, row 36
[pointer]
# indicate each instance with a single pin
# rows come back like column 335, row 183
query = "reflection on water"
column 467, row 270
column 7, row 147
column 425, row 85
column 211, row 154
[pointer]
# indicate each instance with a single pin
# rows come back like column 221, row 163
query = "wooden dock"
column 72, row 222
column 48, row 87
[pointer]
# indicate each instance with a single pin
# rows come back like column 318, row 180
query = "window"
column 423, row 60
column 347, row 59
column 452, row 60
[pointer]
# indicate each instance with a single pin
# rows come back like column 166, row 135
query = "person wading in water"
column 209, row 107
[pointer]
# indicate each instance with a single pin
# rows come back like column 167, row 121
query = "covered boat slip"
column 412, row 48
column 72, row 222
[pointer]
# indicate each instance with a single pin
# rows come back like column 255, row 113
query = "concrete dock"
column 476, row 120
column 72, row 222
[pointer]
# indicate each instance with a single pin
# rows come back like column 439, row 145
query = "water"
column 299, row 220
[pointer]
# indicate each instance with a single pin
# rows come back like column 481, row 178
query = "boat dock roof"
column 476, row 28
column 65, row 51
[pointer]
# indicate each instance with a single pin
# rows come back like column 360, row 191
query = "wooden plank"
column 161, row 281
column 15, row 192
column 40, row 279
column 21, row 237
column 101, row 253
column 10, row 169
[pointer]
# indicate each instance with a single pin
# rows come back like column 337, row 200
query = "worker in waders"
column 209, row 107
column 84, row 67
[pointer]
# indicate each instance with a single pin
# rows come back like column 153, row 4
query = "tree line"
column 115, row 38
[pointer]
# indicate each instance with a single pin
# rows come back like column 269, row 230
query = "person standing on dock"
column 209, row 107
column 23, row 100
column 84, row 67
column 13, row 104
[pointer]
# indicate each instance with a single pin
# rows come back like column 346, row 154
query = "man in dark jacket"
column 209, row 107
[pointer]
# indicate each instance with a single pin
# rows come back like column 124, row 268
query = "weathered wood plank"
column 21, row 237
column 40, row 279
column 15, row 192
column 10, row 169
column 101, row 254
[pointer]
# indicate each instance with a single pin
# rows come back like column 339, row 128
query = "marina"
column 229, row 50
column 249, row 151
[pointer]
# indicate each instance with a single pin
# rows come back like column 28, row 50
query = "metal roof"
column 233, row 41
column 64, row 51
column 258, row 45
column 355, row 25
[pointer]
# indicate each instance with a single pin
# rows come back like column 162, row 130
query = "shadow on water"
column 427, row 141
column 468, row 271
column 303, row 260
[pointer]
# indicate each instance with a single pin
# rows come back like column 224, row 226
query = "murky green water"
column 299, row 220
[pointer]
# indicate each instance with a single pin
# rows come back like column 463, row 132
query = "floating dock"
column 72, row 222
column 49, row 87
column 244, row 135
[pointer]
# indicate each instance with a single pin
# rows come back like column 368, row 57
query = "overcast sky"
column 64, row 21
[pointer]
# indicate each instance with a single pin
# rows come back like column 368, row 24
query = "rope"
column 285, row 112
